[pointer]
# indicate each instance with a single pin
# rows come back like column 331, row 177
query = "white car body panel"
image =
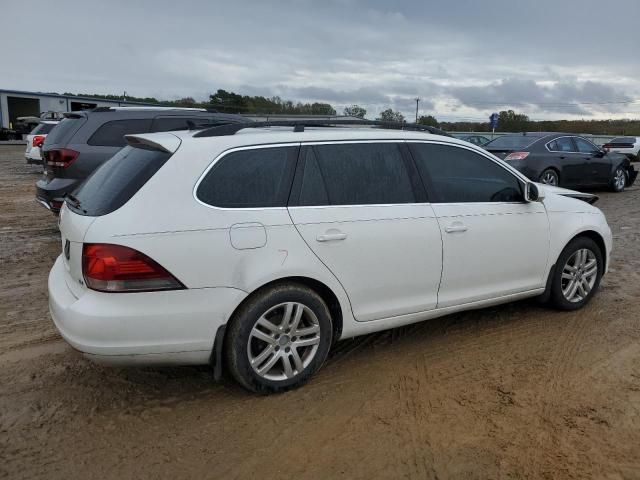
column 387, row 272
column 635, row 150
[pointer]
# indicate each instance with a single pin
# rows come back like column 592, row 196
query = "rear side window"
column 355, row 174
column 111, row 134
column 457, row 175
column 42, row 129
column 562, row 144
column 65, row 130
column 116, row 181
column 259, row 177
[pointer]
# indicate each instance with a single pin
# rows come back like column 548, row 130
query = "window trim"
column 417, row 185
column 229, row 151
column 522, row 180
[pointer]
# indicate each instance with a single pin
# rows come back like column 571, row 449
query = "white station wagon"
column 254, row 248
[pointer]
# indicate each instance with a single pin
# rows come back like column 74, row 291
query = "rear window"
column 43, row 129
column 510, row 142
column 116, row 181
column 623, row 140
column 64, row 130
column 111, row 134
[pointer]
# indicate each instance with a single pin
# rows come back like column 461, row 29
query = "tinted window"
column 111, row 134
column 562, row 144
column 117, row 180
column 64, row 130
column 457, row 175
column 250, row 178
column 42, row 129
column 169, row 124
column 584, row 146
column 623, row 140
column 510, row 142
column 355, row 174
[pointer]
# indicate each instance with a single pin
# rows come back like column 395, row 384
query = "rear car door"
column 494, row 243
column 361, row 209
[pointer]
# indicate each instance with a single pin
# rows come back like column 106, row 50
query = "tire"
column 570, row 258
column 619, row 180
column 260, row 342
column 550, row 177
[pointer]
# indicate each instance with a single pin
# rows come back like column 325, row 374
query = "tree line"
column 508, row 121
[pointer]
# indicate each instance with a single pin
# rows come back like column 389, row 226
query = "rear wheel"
column 577, row 274
column 279, row 338
column 619, row 180
column 550, row 177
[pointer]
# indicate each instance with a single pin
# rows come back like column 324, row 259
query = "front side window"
column 584, row 146
column 111, row 134
column 259, row 177
column 562, row 144
column 457, row 175
column 355, row 174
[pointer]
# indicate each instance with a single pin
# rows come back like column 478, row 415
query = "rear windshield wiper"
column 74, row 202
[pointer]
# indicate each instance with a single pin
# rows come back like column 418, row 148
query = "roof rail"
column 299, row 126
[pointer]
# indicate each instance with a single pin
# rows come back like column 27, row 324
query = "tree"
column 228, row 102
column 355, row 111
column 510, row 121
column 390, row 115
column 428, row 120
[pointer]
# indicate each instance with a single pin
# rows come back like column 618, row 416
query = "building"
column 16, row 103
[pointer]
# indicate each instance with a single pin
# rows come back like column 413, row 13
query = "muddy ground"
column 516, row 391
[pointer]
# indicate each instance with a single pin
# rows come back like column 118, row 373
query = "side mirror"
column 600, row 153
column 532, row 193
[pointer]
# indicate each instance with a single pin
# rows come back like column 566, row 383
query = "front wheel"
column 619, row 180
column 577, row 274
column 550, row 177
column 279, row 338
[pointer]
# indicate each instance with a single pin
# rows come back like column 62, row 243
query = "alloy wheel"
column 550, row 178
column 620, row 179
column 283, row 341
column 579, row 275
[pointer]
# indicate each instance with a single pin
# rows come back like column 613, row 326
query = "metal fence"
column 597, row 139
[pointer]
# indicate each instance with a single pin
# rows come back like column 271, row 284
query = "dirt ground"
column 516, row 391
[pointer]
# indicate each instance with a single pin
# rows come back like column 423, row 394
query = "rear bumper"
column 33, row 160
column 50, row 192
column 148, row 328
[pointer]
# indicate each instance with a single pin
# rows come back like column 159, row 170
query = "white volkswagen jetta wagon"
column 255, row 249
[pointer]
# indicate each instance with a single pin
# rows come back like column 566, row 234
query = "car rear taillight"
column 516, row 156
column 115, row 268
column 38, row 140
column 61, row 157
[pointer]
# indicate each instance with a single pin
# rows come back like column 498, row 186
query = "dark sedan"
column 564, row 160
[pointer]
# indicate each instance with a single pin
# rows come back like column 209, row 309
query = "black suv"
column 84, row 140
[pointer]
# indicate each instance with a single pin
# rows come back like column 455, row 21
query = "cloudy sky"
column 463, row 58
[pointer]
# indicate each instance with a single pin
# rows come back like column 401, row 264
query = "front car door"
column 361, row 209
column 598, row 166
column 572, row 166
column 494, row 243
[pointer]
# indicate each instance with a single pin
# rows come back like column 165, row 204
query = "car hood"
column 558, row 199
column 565, row 192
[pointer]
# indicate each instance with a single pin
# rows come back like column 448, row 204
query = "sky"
column 464, row 59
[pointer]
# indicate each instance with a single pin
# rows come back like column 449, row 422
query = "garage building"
column 16, row 103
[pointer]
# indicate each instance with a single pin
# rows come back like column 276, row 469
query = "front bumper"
column 175, row 327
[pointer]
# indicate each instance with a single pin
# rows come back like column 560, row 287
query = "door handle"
column 456, row 227
column 328, row 237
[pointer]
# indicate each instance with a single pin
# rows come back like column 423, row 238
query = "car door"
column 494, row 243
column 598, row 167
column 572, row 165
column 361, row 209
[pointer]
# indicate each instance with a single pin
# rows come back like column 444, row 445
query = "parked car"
column 35, row 139
column 479, row 140
column 564, row 160
column 86, row 139
column 258, row 250
column 629, row 146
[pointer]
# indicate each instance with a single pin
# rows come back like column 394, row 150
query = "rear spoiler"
column 162, row 141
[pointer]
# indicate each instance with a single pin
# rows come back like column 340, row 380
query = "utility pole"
column 417, row 101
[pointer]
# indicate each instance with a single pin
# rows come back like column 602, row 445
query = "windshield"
column 510, row 142
column 43, row 129
column 116, row 181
